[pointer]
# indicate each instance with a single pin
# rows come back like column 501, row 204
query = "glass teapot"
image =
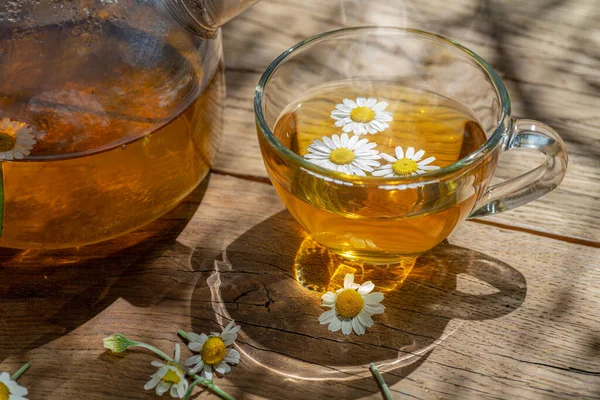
column 110, row 112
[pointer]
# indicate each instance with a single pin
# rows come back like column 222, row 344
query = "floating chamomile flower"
column 16, row 139
column 214, row 351
column 351, row 307
column 362, row 116
column 170, row 376
column 343, row 154
column 405, row 164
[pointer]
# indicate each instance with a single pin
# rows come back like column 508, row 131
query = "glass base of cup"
column 322, row 270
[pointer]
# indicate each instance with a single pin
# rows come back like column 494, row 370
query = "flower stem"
column 20, row 372
column 183, row 335
column 208, row 384
column 153, row 349
column 385, row 391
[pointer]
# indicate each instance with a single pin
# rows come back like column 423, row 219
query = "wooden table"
column 509, row 308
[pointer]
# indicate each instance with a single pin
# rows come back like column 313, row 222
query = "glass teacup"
column 371, row 191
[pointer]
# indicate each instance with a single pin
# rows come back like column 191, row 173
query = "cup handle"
column 528, row 134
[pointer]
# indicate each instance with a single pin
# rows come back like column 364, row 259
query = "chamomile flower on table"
column 348, row 155
column 170, row 377
column 10, row 389
column 405, row 164
column 365, row 115
column 351, row 307
column 16, row 139
column 216, row 353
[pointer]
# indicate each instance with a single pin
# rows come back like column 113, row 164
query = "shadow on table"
column 45, row 295
column 282, row 343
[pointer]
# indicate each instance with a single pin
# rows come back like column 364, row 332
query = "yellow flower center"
column 349, row 303
column 172, row 376
column 362, row 114
column 405, row 166
column 214, row 350
column 341, row 156
column 7, row 142
column 4, row 392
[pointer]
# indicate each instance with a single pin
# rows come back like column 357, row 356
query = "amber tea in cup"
column 381, row 140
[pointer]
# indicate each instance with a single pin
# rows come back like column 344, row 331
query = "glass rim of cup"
column 335, row 176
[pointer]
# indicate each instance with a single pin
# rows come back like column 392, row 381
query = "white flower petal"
column 374, row 298
column 344, row 140
column 410, row 152
column 360, row 129
column 349, row 127
column 151, row 384
column 353, row 142
column 361, row 101
column 182, row 388
column 336, row 140
column 327, row 317
column 359, row 329
column 388, row 158
column 344, row 108
column 349, row 103
column 157, row 364
column 372, row 309
column 335, row 325
column 383, row 117
column 162, row 388
column 366, row 288
column 232, row 357
column 174, row 393
column 399, row 152
column 365, row 319
column 381, row 172
column 197, row 368
column 339, row 114
column 348, row 281
column 371, row 102
column 372, row 129
column 346, row 326
column 328, row 298
column 222, row 368
column 194, row 346
column 177, row 354
column 207, row 371
column 429, row 167
column 379, row 106
column 418, row 155
column 426, row 161
column 330, row 143
column 193, row 360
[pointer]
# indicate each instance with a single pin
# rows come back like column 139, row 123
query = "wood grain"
column 546, row 54
column 504, row 314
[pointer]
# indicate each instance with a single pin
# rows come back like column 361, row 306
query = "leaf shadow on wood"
column 282, row 342
column 47, row 294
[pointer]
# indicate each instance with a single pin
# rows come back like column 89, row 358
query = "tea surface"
column 368, row 222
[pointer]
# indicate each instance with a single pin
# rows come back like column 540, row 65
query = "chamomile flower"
column 362, row 116
column 16, row 139
column 10, row 389
column 169, row 377
column 215, row 355
column 351, row 307
column 343, row 154
column 405, row 164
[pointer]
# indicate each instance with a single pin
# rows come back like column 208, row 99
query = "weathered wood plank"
column 548, row 62
column 508, row 314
